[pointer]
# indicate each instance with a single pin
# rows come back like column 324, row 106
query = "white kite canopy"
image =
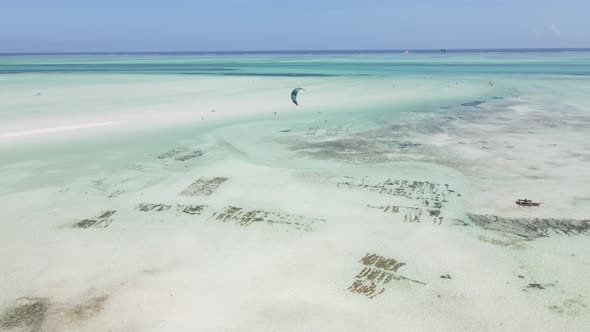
column 294, row 95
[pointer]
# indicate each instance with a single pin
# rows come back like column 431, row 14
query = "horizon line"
column 296, row 51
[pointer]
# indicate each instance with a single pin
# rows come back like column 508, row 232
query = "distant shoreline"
column 316, row 52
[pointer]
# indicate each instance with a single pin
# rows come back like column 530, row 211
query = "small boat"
column 527, row 202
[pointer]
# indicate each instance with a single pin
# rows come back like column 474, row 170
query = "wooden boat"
column 527, row 202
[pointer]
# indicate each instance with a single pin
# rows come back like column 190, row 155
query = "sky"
column 240, row 25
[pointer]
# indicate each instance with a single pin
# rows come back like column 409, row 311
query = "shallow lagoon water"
column 390, row 189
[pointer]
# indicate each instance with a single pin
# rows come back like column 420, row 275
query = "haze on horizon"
column 239, row 25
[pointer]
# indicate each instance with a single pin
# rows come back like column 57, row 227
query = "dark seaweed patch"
column 27, row 313
column 570, row 307
column 377, row 272
column 181, row 154
column 535, row 286
column 190, row 209
column 410, row 214
column 531, row 228
column 153, row 207
column 474, row 103
column 430, row 194
column 86, row 310
column 284, row 221
column 101, row 221
column 338, row 130
column 408, row 145
column 171, row 153
column 312, row 131
column 189, row 155
column 203, row 187
column 181, row 208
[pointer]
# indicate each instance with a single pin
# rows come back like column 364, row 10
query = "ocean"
column 155, row 191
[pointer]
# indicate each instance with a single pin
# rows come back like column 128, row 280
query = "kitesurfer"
column 294, row 95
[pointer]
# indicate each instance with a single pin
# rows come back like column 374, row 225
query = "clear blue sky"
column 184, row 25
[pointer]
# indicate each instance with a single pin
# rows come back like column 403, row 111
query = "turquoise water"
column 406, row 87
column 304, row 65
column 376, row 140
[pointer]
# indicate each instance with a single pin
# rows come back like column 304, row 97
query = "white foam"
column 50, row 130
